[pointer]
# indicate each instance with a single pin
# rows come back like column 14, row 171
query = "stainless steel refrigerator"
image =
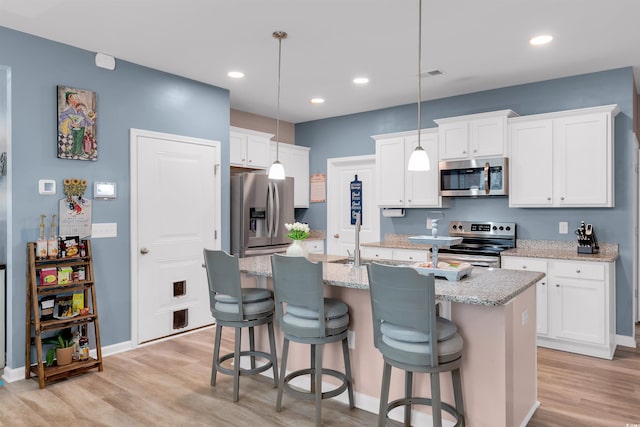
column 260, row 207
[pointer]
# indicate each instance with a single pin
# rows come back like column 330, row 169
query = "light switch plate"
column 106, row 229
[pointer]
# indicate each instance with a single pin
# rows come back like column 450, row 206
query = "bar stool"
column 404, row 322
column 225, row 295
column 305, row 316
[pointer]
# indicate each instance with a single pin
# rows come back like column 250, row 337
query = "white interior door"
column 340, row 232
column 175, row 214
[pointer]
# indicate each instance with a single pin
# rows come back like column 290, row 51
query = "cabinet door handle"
column 578, row 271
column 144, row 251
column 524, row 267
column 562, row 198
column 543, row 283
column 557, row 285
column 337, row 236
column 548, row 198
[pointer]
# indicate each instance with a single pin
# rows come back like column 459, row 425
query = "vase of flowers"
column 297, row 232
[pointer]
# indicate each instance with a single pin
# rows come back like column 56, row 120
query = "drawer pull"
column 578, row 271
column 557, row 286
column 524, row 267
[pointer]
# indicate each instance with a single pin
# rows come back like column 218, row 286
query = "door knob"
column 337, row 236
column 144, row 251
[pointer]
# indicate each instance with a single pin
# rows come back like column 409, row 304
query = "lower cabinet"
column 575, row 304
column 314, row 246
column 394, row 254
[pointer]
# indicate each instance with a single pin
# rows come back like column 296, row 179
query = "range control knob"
column 501, row 228
column 508, row 228
column 495, row 228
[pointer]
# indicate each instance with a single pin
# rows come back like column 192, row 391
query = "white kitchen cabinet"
column 410, row 255
column 249, row 148
column 376, row 253
column 563, row 159
column 579, row 301
column 295, row 160
column 394, row 254
column 475, row 135
column 533, row 264
column 399, row 187
column 314, row 246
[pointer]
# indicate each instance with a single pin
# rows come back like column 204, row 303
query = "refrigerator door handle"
column 269, row 210
column 276, row 217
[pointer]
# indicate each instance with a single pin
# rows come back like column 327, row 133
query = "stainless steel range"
column 482, row 242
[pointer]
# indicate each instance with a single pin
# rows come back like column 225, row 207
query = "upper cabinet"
column 295, row 160
column 476, row 135
column 399, row 187
column 563, row 159
column 249, row 148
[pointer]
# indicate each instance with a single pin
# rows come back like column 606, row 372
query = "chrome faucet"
column 356, row 251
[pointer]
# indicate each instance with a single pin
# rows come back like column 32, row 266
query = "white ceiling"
column 478, row 45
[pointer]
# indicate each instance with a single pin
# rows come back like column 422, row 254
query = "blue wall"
column 129, row 97
column 351, row 135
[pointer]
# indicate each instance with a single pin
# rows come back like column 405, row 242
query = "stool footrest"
column 256, row 370
column 308, row 395
column 427, row 402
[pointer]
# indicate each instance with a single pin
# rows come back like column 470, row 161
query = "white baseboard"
column 530, row 414
column 626, row 341
column 361, row 401
column 11, row 375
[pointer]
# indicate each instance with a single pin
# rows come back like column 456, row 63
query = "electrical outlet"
column 525, row 317
column 429, row 223
column 351, row 339
column 563, row 227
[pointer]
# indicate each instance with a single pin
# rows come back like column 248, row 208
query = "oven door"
column 485, row 261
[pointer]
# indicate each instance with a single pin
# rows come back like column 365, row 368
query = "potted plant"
column 62, row 347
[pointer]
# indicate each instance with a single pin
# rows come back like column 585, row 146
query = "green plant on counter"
column 64, row 339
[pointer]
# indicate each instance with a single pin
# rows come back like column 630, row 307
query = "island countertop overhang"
column 490, row 287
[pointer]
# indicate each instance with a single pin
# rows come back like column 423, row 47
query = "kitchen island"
column 495, row 313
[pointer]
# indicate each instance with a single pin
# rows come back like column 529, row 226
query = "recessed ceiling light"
column 317, row 100
column 235, row 74
column 361, row 80
column 540, row 40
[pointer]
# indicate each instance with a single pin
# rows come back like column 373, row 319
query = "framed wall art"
column 77, row 124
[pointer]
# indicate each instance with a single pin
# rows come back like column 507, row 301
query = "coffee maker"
column 587, row 241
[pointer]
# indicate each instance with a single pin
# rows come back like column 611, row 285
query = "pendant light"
column 276, row 171
column 419, row 160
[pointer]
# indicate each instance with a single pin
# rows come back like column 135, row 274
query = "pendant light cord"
column 419, row 67
column 279, row 35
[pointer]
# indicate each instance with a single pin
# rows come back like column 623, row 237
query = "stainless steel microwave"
column 475, row 177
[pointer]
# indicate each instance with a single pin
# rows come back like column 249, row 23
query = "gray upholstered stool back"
column 298, row 281
column 223, row 274
column 403, row 297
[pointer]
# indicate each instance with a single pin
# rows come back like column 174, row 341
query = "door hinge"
column 215, row 234
column 215, row 168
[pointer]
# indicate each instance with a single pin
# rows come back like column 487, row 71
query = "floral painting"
column 77, row 124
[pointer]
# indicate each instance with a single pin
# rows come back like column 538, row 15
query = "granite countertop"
column 556, row 249
column 564, row 250
column 397, row 241
column 489, row 287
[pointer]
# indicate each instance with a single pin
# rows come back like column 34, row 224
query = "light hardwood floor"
column 167, row 384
